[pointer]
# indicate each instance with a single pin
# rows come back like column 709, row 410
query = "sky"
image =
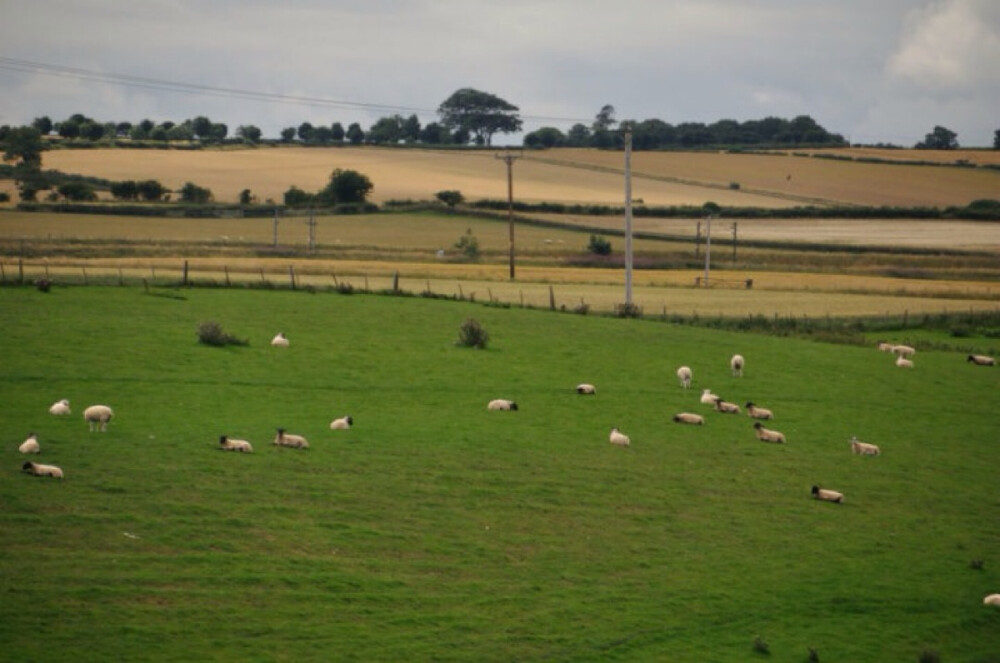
column 874, row 71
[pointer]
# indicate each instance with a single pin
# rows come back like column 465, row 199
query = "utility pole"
column 734, row 242
column 509, row 160
column 628, row 218
column 708, row 245
column 312, row 231
column 275, row 227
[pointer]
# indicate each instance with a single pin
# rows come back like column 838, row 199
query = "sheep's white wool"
column 864, row 448
column 884, row 347
column 827, row 495
column 619, row 438
column 586, row 388
column 689, row 418
column 40, row 470
column 707, row 397
column 726, row 406
column 343, row 423
column 30, row 445
column 982, row 360
column 903, row 350
column 98, row 416
column 768, row 435
column 501, row 404
column 60, row 407
column 903, row 362
column 992, row 599
column 280, row 340
column 284, row 439
column 736, row 364
column 684, row 376
column 230, row 444
column 757, row 412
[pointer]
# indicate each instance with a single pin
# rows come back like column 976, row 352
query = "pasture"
column 435, row 530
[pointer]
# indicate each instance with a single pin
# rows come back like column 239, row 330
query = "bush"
column 4, row 197
column 450, row 198
column 468, row 245
column 211, row 333
column 599, row 246
column 192, row 193
column 472, row 335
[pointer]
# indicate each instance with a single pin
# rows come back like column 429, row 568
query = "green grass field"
column 436, row 530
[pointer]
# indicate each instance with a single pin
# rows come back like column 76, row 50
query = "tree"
column 386, row 131
column 249, row 133
column 192, row 193
column 434, row 134
column 77, row 191
column 181, row 131
column 125, row 190
column 247, row 197
column 605, row 119
column 24, row 147
column 578, row 135
column 337, row 131
column 43, row 124
column 296, row 197
column 151, row 190
column 410, row 129
column 545, row 137
column 939, row 139
column 355, row 134
column 345, row 186
column 450, row 198
column 599, row 246
column 323, row 134
column 996, row 139
column 202, row 127
column 306, row 131
column 288, row 134
column 479, row 113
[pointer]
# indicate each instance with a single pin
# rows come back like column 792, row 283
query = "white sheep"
column 280, row 341
column 736, row 365
column 827, row 495
column 689, row 418
column 586, row 389
column 501, row 404
column 992, row 599
column 40, row 470
column 758, row 412
column 343, row 423
column 726, row 406
column 903, row 362
column 864, row 448
column 883, row 346
column 30, row 445
column 684, row 376
column 60, row 407
column 229, row 444
column 619, row 438
column 768, row 435
column 707, row 397
column 982, row 360
column 284, row 439
column 98, row 416
column 903, row 350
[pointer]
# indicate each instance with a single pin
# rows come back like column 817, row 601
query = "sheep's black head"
column 971, row 358
column 513, row 405
column 677, row 417
column 222, row 439
column 815, row 490
column 28, row 465
column 758, row 425
column 350, row 420
column 749, row 404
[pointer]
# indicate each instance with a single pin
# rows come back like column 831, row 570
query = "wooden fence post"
column 121, row 277
column 395, row 281
column 184, row 279
column 291, row 275
column 225, row 269
column 84, row 275
column 552, row 299
column 20, row 270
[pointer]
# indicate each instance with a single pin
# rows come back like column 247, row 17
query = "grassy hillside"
column 436, row 530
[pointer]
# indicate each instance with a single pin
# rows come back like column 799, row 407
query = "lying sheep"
column 689, row 418
column 726, row 406
column 228, row 444
column 864, row 448
column 30, row 445
column 283, row 439
column 587, row 389
column 280, row 341
column 903, row 362
column 768, row 435
column 827, row 495
column 342, row 423
column 619, row 438
column 982, row 360
column 684, row 376
column 40, row 470
column 707, row 397
column 903, row 350
column 60, row 407
column 736, row 365
column 501, row 404
column 758, row 412
column 883, row 346
column 992, row 599
column 98, row 416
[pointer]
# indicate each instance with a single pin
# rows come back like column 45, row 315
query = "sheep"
column 736, row 364
column 883, row 346
column 726, row 406
column 758, row 412
column 619, row 438
column 768, row 435
column 903, row 362
column 284, row 439
column 39, row 470
column 30, row 445
column 903, row 350
column 827, row 495
column 982, row 360
column 228, row 444
column 689, row 418
column 586, row 389
column 342, row 423
column 707, row 397
column 864, row 448
column 60, row 407
column 98, row 416
column 684, row 376
column 992, row 599
column 501, row 404
column 280, row 341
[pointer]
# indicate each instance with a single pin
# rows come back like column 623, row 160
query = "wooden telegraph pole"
column 509, row 159
column 312, row 231
column 628, row 218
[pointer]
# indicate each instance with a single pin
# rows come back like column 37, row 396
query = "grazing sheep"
column 736, row 364
column 689, row 418
column 903, row 362
column 768, row 435
column 342, row 424
column 726, row 406
column 30, row 445
column 98, row 416
column 863, row 448
column 884, row 346
column 982, row 360
column 585, row 388
column 827, row 495
column 992, row 599
column 283, row 439
column 40, row 470
column 228, row 444
column 619, row 438
column 280, row 341
column 60, row 407
column 501, row 404
column 684, row 376
column 903, row 350
column 758, row 412
column 707, row 397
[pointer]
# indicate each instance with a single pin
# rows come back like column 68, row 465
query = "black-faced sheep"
column 707, row 397
column 736, row 365
column 689, row 418
column 283, row 439
column 768, row 435
column 864, row 448
column 982, row 360
column 60, row 407
column 280, row 340
column 501, row 404
column 229, row 444
column 684, row 376
column 343, row 423
column 757, row 412
column 30, row 445
column 586, row 389
column 827, row 495
column 98, row 416
column 726, row 407
column 39, row 470
column 618, row 438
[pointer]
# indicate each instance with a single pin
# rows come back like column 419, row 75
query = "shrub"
column 599, row 246
column 760, row 646
column 627, row 310
column 211, row 333
column 468, row 245
column 450, row 198
column 43, row 285
column 192, row 193
column 472, row 335
column 4, row 197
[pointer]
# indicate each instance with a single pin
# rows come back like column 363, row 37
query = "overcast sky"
column 871, row 70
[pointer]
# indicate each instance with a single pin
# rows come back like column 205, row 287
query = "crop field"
column 437, row 530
